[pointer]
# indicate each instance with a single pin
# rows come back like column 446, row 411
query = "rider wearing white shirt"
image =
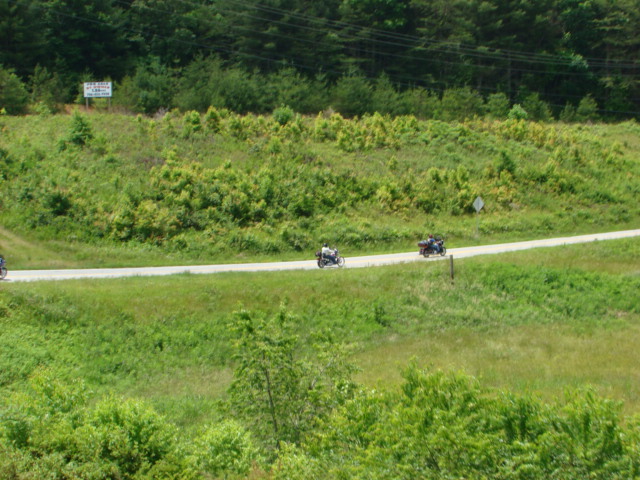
column 328, row 253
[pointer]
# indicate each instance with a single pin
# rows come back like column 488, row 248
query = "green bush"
column 14, row 97
column 283, row 115
column 126, row 433
column 497, row 106
column 288, row 87
column 148, row 91
column 460, row 104
column 385, row 99
column 223, row 450
column 536, row 109
column 47, row 92
column 80, row 132
column 587, row 110
column 517, row 112
column 352, row 95
column 420, row 102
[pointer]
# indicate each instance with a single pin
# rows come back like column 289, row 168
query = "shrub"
column 505, row 163
column 127, row 433
column 13, row 94
column 80, row 132
column 518, row 113
column 192, row 124
column 385, row 98
column 288, row 87
column 568, row 114
column 57, row 202
column 149, row 90
column 443, row 425
column 537, row 109
column 587, row 109
column 223, row 449
column 283, row 115
column 460, row 104
column 352, row 95
column 420, row 102
column 497, row 106
column 47, row 92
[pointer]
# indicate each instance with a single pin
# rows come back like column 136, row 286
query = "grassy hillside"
column 104, row 189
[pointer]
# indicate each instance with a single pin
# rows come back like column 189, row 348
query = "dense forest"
column 394, row 56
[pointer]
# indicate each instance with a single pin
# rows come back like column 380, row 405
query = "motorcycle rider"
column 329, row 253
column 433, row 244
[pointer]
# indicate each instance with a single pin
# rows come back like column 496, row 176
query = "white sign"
column 97, row 89
column 478, row 204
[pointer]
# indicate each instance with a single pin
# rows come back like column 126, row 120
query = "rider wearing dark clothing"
column 328, row 253
column 433, row 244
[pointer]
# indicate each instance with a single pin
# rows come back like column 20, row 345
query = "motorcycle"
column 3, row 269
column 328, row 262
column 435, row 248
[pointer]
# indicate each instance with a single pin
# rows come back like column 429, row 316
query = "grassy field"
column 536, row 321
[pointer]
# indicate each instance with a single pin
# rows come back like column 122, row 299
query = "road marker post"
column 478, row 203
column 451, row 267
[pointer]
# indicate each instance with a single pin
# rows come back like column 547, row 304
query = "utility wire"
column 284, row 60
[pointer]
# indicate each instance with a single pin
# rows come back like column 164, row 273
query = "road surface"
column 352, row 262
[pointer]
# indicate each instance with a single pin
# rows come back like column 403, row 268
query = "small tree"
column 459, row 104
column 420, row 102
column 47, row 92
column 568, row 113
column 385, row 98
column 497, row 106
column 283, row 115
column 587, row 109
column 80, row 132
column 149, row 90
column 353, row 95
column 283, row 392
column 518, row 113
column 536, row 108
column 13, row 94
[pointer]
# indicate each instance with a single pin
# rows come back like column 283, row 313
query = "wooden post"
column 451, row 267
column 477, row 224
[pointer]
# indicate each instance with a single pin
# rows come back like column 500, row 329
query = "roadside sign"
column 478, row 204
column 97, row 89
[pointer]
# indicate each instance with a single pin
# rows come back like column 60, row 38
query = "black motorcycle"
column 328, row 262
column 432, row 248
column 3, row 269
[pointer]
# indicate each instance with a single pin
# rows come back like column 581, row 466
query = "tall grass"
column 523, row 321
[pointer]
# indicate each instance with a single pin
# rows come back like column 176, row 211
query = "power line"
column 455, row 48
column 412, row 40
column 407, row 81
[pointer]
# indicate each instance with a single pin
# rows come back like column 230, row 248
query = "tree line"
column 164, row 54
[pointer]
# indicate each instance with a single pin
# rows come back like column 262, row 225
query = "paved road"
column 352, row 262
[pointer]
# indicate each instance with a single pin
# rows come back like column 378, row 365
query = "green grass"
column 110, row 204
column 537, row 321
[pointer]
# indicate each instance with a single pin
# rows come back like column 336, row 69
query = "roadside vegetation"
column 524, row 366
column 106, row 189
